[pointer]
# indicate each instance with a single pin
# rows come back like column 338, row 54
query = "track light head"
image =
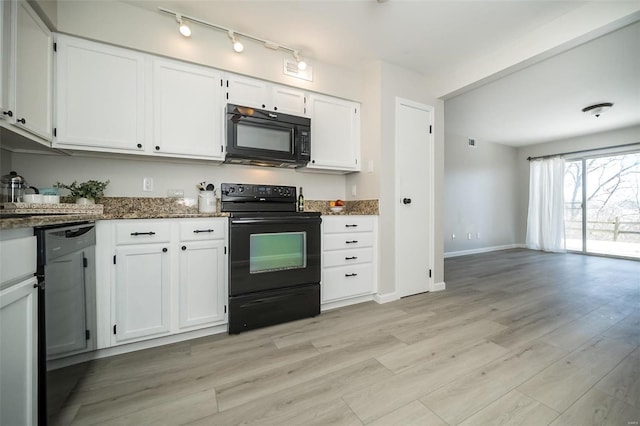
column 302, row 65
column 237, row 46
column 183, row 27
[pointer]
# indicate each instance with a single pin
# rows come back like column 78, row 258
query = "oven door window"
column 277, row 251
column 271, row 138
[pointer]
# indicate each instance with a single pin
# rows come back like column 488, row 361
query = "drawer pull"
column 352, row 242
column 351, row 258
column 351, row 275
column 135, row 234
column 351, row 226
column 197, row 231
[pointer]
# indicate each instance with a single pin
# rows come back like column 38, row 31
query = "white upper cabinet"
column 5, row 59
column 26, row 69
column 255, row 93
column 335, row 134
column 100, row 96
column 188, row 115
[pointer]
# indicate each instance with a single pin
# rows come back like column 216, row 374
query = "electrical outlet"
column 354, row 190
column 147, row 184
column 453, row 236
column 469, row 236
column 477, row 235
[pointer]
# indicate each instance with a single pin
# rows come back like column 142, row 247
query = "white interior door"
column 414, row 197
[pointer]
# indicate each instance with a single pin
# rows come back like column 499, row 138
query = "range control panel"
column 241, row 192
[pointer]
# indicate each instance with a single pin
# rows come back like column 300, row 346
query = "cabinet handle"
column 263, row 105
column 184, row 248
column 22, row 120
column 164, row 250
column 135, row 234
column 352, row 242
column 139, row 145
column 313, row 161
column 351, row 258
column 350, row 275
column 157, row 148
column 275, row 108
column 9, row 113
column 197, row 231
column 351, row 226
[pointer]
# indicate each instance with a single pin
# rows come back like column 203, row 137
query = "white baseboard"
column 385, row 298
column 345, row 302
column 439, row 286
column 482, row 250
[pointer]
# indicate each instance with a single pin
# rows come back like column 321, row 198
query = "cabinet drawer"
column 196, row 230
column 333, row 225
column 347, row 257
column 345, row 241
column 143, row 232
column 347, row 281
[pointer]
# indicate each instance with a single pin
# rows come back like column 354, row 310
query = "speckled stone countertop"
column 156, row 208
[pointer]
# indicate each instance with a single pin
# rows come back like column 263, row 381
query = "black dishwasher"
column 66, row 310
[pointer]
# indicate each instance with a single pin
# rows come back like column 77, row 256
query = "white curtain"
column 545, row 223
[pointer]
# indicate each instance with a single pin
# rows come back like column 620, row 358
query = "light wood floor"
column 518, row 337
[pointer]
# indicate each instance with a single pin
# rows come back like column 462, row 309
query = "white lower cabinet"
column 18, row 330
column 202, row 284
column 348, row 257
column 141, row 291
column 168, row 277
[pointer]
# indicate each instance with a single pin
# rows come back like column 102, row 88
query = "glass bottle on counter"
column 300, row 201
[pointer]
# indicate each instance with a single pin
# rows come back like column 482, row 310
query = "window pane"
column 613, row 205
column 277, row 251
column 573, row 205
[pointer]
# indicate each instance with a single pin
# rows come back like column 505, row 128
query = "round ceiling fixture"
column 597, row 109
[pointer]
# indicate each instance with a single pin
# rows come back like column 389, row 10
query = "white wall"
column 399, row 82
column 480, row 194
column 126, row 175
column 596, row 140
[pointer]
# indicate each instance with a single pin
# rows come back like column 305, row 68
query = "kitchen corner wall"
column 481, row 195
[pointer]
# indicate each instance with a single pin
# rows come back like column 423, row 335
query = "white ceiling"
column 436, row 37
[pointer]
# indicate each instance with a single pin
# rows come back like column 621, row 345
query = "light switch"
column 147, row 184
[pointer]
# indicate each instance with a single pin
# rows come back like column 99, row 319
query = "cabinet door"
column 34, row 50
column 141, row 291
column 347, row 281
column 202, row 283
column 19, row 354
column 287, row 100
column 99, row 96
column 187, row 111
column 5, row 59
column 246, row 91
column 335, row 134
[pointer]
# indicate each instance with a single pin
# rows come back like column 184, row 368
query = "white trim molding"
column 385, row 298
column 482, row 250
column 438, row 286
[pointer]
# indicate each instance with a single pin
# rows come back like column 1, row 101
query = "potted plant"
column 85, row 192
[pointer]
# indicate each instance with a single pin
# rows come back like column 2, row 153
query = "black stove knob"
column 231, row 189
column 240, row 189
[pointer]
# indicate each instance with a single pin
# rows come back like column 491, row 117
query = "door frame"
column 431, row 198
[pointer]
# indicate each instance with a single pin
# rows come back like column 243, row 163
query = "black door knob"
column 157, row 148
column 22, row 120
column 139, row 145
column 9, row 113
column 406, row 201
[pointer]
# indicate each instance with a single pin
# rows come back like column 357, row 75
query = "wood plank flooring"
column 518, row 338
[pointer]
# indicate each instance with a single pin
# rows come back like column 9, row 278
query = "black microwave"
column 267, row 138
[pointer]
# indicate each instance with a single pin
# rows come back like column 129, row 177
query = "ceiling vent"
column 472, row 143
column 291, row 68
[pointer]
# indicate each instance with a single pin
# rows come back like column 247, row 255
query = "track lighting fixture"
column 183, row 27
column 233, row 36
column 237, row 46
column 302, row 65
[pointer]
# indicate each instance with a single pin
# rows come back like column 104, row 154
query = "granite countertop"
column 157, row 208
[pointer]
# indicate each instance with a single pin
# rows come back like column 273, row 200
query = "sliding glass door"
column 602, row 205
